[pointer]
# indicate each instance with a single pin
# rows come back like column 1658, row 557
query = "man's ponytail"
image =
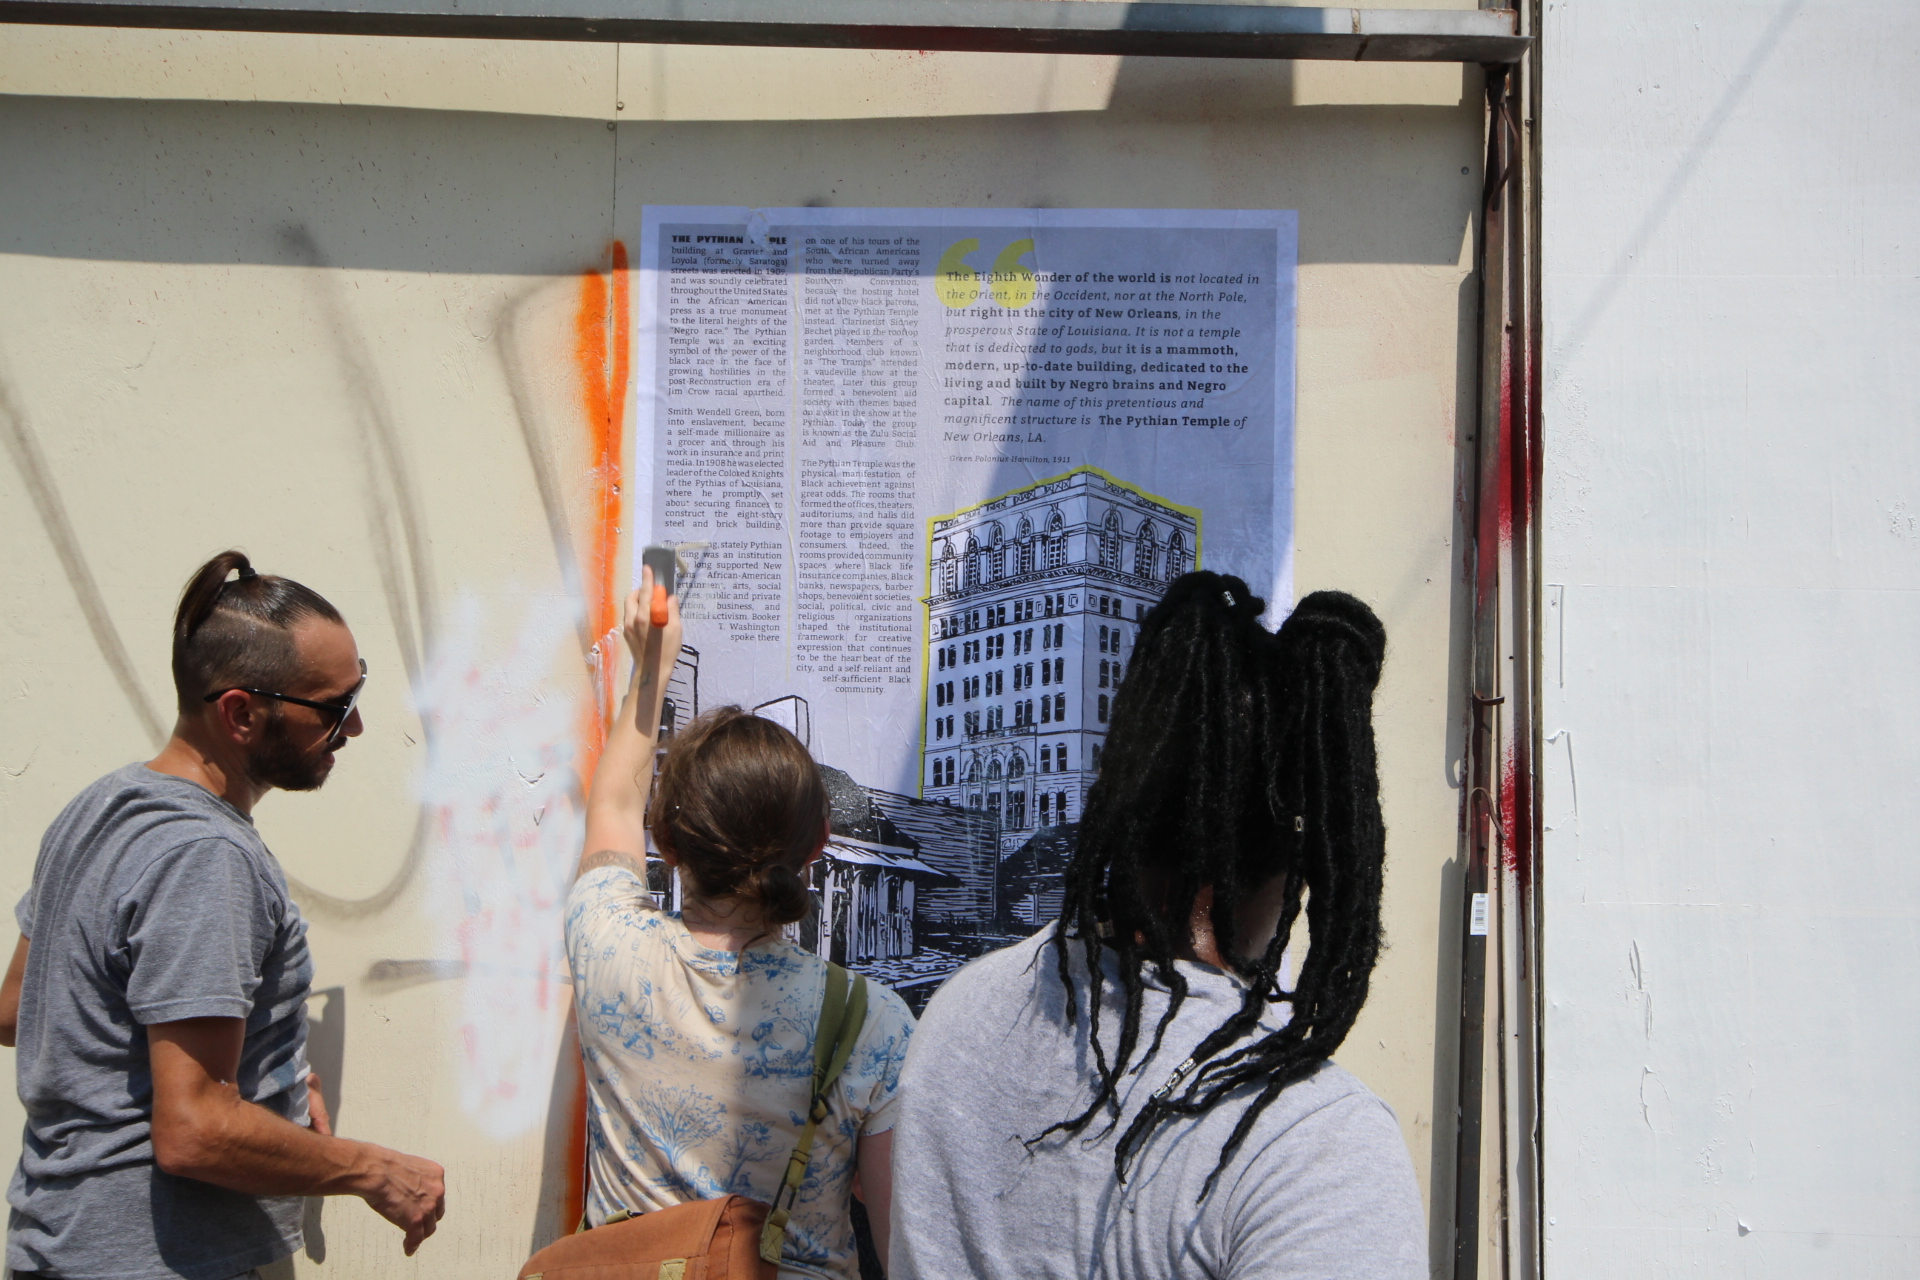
column 202, row 594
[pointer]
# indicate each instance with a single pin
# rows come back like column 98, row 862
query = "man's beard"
column 275, row 761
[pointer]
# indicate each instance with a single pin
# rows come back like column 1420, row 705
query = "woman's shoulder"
column 790, row 965
column 1032, row 956
column 1324, row 1173
column 887, row 1014
column 1332, row 1091
column 610, row 897
column 1329, row 1124
column 994, row 984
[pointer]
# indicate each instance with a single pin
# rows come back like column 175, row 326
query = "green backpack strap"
column 842, row 1013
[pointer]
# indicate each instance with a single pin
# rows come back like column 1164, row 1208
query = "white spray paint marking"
column 502, row 789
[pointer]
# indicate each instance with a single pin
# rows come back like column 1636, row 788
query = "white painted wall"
column 1732, row 522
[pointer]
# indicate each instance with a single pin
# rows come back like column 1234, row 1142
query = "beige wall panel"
column 705, row 82
column 557, row 78
column 186, row 378
column 347, row 339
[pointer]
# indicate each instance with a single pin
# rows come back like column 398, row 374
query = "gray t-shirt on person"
column 1321, row 1189
column 153, row 900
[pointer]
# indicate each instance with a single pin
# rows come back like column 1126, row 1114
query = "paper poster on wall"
column 926, row 470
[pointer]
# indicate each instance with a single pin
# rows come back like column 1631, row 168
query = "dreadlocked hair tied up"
column 1237, row 758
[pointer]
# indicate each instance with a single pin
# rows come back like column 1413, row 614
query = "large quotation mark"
column 958, row 285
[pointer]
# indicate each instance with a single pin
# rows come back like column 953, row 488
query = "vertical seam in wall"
column 613, row 177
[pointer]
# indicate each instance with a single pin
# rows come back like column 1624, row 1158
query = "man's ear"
column 239, row 717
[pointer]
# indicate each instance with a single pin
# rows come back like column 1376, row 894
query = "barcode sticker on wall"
column 1477, row 922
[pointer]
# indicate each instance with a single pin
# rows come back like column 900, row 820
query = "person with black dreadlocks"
column 1136, row 1092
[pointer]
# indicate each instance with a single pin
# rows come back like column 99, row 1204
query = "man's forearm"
column 245, row 1147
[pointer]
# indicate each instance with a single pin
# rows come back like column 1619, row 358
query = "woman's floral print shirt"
column 699, row 1064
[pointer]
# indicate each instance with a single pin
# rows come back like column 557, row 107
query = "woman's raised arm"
column 617, row 802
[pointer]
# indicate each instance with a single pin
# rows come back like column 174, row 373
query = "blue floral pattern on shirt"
column 698, row 1066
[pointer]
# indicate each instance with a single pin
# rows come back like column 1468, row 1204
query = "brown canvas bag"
column 734, row 1237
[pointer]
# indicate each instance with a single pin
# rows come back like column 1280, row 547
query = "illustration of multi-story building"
column 1034, row 601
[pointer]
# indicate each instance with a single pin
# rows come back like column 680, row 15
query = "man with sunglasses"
column 172, row 1122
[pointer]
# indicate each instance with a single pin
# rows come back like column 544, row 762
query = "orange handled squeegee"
column 658, row 615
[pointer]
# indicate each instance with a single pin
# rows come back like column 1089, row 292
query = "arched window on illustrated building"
column 1023, row 547
column 1145, row 549
column 973, row 563
column 1110, row 541
column 996, row 555
column 1176, row 555
column 1017, row 767
column 949, row 569
column 973, row 770
column 1056, row 542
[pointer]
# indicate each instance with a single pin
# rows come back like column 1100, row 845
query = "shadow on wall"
column 327, row 1056
column 1451, row 903
column 439, row 191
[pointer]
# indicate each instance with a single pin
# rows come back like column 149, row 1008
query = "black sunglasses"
column 342, row 710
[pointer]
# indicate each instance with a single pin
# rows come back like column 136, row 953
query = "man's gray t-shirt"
column 1321, row 1189
column 153, row 900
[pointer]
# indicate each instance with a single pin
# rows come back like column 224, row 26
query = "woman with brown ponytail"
column 697, row 1026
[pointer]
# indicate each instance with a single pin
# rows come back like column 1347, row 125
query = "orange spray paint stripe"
column 603, row 359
